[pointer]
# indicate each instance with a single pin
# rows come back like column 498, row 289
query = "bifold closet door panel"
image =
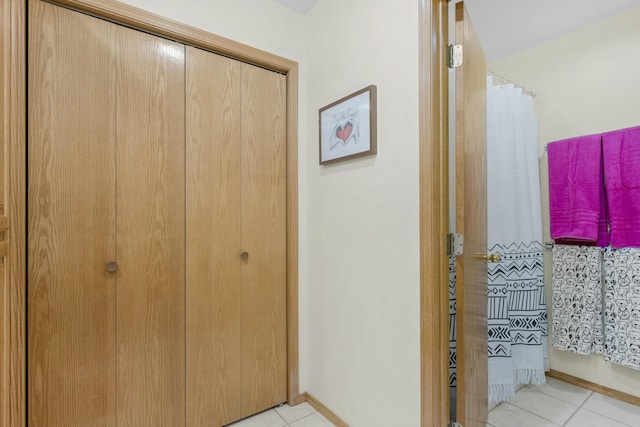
column 213, row 239
column 263, row 219
column 150, row 227
column 71, row 219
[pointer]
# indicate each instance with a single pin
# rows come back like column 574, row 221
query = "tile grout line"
column 290, row 424
column 579, row 407
column 572, row 416
column 534, row 414
column 589, row 396
column 565, row 401
column 538, row 415
column 308, row 415
column 286, row 422
column 281, row 417
column 591, row 393
column 603, row 415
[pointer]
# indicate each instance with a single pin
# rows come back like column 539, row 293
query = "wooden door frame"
column 14, row 97
column 434, row 217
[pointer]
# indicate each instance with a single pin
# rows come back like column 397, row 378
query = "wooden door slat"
column 71, row 228
column 263, row 218
column 214, row 290
column 150, row 294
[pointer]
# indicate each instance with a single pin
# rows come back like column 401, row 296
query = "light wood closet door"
column 150, row 295
column 106, row 183
column 263, row 219
column 214, row 290
column 71, row 219
column 236, row 231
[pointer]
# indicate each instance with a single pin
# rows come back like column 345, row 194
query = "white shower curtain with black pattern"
column 517, row 340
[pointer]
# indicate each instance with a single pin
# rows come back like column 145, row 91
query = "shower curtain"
column 517, row 317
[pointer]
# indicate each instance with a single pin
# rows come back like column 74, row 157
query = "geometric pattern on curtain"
column 516, row 298
column 452, row 321
column 452, row 335
column 517, row 318
column 516, row 309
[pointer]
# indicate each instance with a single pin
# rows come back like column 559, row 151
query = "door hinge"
column 454, row 55
column 455, row 244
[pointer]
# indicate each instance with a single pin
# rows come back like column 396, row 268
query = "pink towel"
column 576, row 191
column 621, row 151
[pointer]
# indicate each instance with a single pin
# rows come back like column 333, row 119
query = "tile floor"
column 303, row 415
column 549, row 405
column 560, row 404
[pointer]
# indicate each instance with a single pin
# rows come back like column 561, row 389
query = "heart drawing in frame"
column 346, row 129
column 348, row 126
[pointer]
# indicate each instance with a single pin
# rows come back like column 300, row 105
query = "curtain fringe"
column 529, row 376
column 504, row 392
column 500, row 392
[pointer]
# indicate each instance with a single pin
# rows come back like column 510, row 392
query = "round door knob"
column 111, row 267
column 493, row 258
column 244, row 255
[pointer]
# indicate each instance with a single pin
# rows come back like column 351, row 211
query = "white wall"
column 363, row 218
column 585, row 82
column 359, row 220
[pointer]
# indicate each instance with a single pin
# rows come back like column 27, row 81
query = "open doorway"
column 568, row 68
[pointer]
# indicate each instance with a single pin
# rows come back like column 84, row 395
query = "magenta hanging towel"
column 621, row 151
column 576, row 191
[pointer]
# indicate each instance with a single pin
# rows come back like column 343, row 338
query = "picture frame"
column 348, row 127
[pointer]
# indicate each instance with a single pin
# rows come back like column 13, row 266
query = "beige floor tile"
column 294, row 413
column 314, row 420
column 268, row 418
column 563, row 391
column 615, row 409
column 543, row 405
column 507, row 415
column 584, row 418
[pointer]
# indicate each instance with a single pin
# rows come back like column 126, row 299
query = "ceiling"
column 302, row 6
column 507, row 26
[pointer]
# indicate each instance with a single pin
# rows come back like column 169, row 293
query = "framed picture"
column 348, row 127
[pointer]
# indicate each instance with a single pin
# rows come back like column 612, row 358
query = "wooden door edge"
column 14, row 140
column 434, row 221
column 293, row 365
column 14, row 96
column 4, row 307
